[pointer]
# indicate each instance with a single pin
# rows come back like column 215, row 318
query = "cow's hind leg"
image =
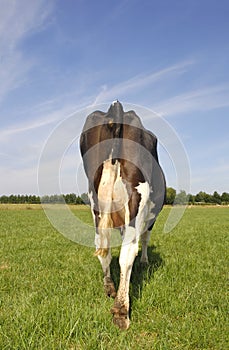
column 145, row 237
column 107, row 280
column 129, row 250
column 104, row 256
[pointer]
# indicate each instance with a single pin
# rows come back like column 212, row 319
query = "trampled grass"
column 51, row 290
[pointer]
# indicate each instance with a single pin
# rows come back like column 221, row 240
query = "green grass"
column 51, row 290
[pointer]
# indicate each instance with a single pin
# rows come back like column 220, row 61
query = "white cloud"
column 41, row 118
column 23, row 143
column 17, row 20
column 206, row 98
column 200, row 99
column 140, row 81
column 16, row 129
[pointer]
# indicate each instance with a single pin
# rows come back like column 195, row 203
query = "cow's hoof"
column 109, row 287
column 144, row 261
column 120, row 316
column 122, row 322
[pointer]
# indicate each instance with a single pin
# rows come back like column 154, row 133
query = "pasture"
column 51, row 289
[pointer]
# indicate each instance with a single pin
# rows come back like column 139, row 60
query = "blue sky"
column 58, row 57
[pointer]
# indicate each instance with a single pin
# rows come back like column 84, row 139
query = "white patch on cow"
column 144, row 215
column 120, row 196
column 128, row 253
column 105, row 261
column 92, row 203
column 144, row 190
column 112, row 195
column 112, row 192
column 105, row 190
column 145, row 207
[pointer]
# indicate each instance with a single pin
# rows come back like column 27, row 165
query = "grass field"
column 51, row 289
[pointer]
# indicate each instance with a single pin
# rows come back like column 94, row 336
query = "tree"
column 4, row 199
column 191, row 199
column 79, row 200
column 200, row 197
column 216, row 198
column 225, row 197
column 12, row 199
column 170, row 195
column 45, row 199
column 85, row 198
column 181, row 198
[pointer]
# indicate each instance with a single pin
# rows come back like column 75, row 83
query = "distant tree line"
column 20, row 199
column 200, row 198
column 172, row 197
column 71, row 198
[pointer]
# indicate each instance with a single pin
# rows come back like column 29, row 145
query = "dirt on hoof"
column 109, row 288
column 121, row 321
column 120, row 316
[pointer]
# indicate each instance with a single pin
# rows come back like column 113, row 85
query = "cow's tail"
column 115, row 125
column 115, row 118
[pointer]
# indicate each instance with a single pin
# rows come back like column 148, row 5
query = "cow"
column 126, row 187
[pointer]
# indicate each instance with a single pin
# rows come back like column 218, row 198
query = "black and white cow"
column 126, row 190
